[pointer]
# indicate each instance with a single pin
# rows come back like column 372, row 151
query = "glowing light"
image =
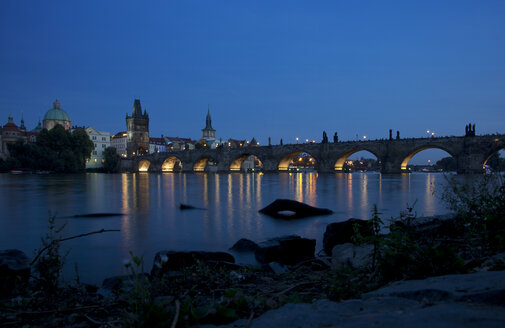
column 364, row 137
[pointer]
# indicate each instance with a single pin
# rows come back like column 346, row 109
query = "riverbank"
column 200, row 288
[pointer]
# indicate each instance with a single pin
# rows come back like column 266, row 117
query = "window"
column 94, row 160
column 94, row 138
column 103, row 138
column 103, row 145
column 94, row 152
column 103, row 161
column 95, row 145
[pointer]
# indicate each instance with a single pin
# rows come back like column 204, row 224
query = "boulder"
column 165, row 261
column 244, row 245
column 342, row 232
column 14, row 270
column 286, row 250
column 291, row 209
column 350, row 256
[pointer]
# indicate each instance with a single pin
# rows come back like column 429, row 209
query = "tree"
column 82, row 147
column 56, row 150
column 447, row 164
column 111, row 160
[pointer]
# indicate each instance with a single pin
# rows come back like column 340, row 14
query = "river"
column 152, row 220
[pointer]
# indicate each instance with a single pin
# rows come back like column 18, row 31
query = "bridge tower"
column 137, row 131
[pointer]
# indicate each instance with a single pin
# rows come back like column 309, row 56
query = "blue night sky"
column 283, row 69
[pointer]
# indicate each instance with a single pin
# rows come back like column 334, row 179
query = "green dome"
column 56, row 113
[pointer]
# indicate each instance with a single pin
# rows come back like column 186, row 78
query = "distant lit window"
column 103, row 161
column 94, row 160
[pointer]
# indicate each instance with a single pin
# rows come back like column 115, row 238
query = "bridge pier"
column 470, row 163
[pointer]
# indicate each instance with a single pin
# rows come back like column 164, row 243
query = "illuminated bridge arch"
column 288, row 159
column 201, row 164
column 144, row 165
column 236, row 164
column 339, row 164
column 171, row 164
column 406, row 160
column 489, row 155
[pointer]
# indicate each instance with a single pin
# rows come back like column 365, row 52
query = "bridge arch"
column 171, row 164
column 339, row 164
column 287, row 159
column 144, row 165
column 488, row 156
column 238, row 162
column 201, row 164
column 406, row 160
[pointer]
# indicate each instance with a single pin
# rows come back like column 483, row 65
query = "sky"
column 279, row 69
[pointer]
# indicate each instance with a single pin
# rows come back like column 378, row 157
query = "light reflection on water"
column 154, row 222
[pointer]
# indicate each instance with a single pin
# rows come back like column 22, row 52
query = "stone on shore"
column 166, row 261
column 244, row 245
column 468, row 300
column 350, row 256
column 342, row 232
column 291, row 209
column 14, row 270
column 287, row 250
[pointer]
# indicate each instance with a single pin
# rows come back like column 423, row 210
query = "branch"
column 177, row 310
column 68, row 238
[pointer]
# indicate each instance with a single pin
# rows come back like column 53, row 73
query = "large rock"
column 14, row 270
column 471, row 301
column 244, row 245
column 291, row 209
column 286, row 250
column 165, row 261
column 342, row 232
column 350, row 256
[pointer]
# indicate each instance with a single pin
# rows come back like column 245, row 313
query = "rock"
column 342, row 232
column 14, row 270
column 165, row 261
column 244, row 245
column 431, row 226
column 350, row 256
column 438, row 302
column 482, row 287
column 275, row 267
column 291, row 209
column 286, row 250
column 117, row 283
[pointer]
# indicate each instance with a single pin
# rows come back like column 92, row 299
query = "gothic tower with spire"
column 208, row 133
column 137, row 131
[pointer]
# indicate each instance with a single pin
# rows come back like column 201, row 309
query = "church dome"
column 56, row 113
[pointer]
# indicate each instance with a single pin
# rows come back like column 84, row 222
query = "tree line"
column 56, row 150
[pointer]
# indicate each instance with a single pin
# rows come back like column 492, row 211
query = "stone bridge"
column 470, row 152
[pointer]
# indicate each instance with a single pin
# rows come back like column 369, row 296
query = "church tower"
column 137, row 131
column 208, row 133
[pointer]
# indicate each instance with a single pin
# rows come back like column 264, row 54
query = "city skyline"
column 285, row 70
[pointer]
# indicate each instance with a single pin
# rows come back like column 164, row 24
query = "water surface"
column 153, row 220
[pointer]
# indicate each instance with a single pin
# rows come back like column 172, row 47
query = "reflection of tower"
column 137, row 131
column 208, row 133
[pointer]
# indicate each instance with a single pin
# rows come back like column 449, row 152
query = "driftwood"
column 68, row 238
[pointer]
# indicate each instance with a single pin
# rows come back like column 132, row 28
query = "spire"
column 22, row 126
column 208, row 120
column 11, row 120
column 137, row 108
column 56, row 104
